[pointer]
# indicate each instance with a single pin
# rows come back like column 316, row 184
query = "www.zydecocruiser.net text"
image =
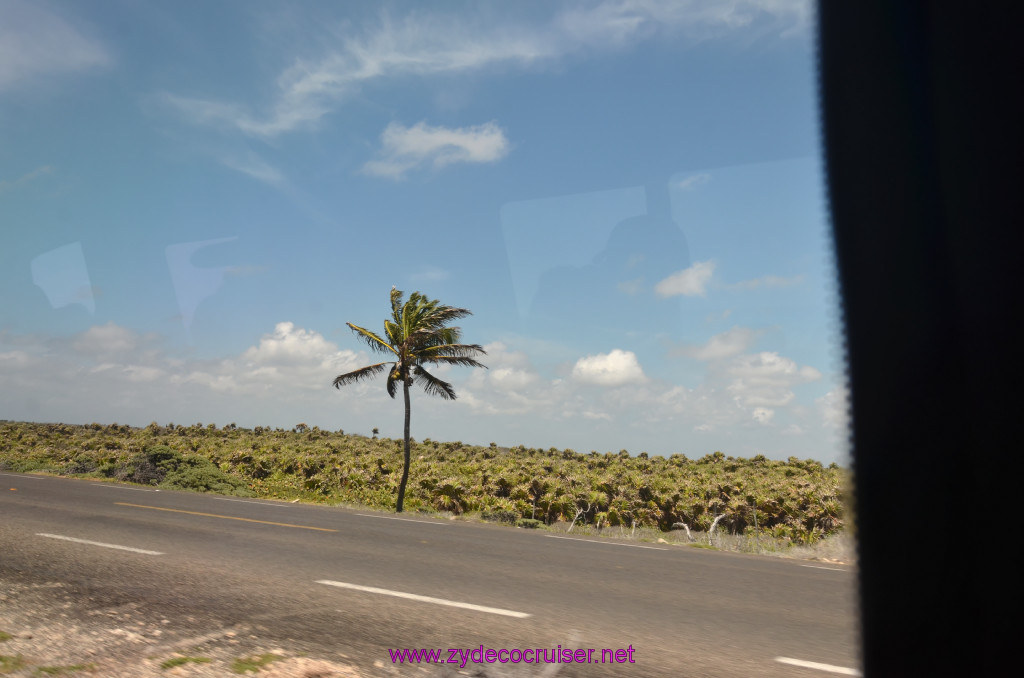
column 480, row 655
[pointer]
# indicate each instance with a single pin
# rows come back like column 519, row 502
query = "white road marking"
column 424, row 599
column 607, row 543
column 99, row 543
column 821, row 567
column 408, row 520
column 818, row 666
column 122, row 487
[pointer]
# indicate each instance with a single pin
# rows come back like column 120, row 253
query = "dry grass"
column 840, row 548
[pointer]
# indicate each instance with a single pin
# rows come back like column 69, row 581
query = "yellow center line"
column 214, row 515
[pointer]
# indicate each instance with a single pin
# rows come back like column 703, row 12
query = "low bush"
column 206, row 478
column 510, row 517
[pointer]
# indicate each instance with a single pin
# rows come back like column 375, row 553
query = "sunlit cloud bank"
column 724, row 345
column 112, row 371
column 746, row 403
column 611, row 369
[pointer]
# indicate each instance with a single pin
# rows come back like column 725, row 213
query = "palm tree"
column 417, row 334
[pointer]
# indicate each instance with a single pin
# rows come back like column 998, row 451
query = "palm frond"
column 414, row 313
column 425, row 336
column 361, row 373
column 396, row 302
column 442, row 315
column 451, row 351
column 453, row 360
column 433, row 385
column 393, row 332
column 372, row 340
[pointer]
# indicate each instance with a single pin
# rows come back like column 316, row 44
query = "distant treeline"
column 795, row 500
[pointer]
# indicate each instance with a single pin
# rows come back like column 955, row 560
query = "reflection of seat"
column 616, row 289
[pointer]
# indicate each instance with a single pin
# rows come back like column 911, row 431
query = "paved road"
column 215, row 560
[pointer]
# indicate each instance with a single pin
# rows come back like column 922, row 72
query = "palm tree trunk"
column 405, row 449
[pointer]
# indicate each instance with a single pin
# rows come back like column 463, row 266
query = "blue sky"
column 628, row 194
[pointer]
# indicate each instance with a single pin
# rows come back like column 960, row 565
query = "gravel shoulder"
column 53, row 629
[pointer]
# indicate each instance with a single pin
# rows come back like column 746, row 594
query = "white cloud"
column 693, row 181
column 288, row 360
column 510, row 384
column 255, row 167
column 16, row 360
column 769, row 365
column 36, row 43
column 423, row 44
column 768, row 281
column 766, row 379
column 288, row 345
column 609, row 369
column 834, row 408
column 429, row 274
column 621, row 22
column 203, row 112
column 420, row 45
column 725, row 345
column 406, row 148
column 763, row 415
column 25, row 178
column 143, row 373
column 716, row 317
column 498, row 354
column 106, row 339
column 631, row 287
column 690, row 282
column 111, row 362
column 511, row 378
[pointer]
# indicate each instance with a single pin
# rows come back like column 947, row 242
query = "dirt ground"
column 49, row 629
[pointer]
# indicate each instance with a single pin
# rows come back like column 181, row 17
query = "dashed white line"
column 842, row 670
column 821, row 567
column 122, row 487
column 407, row 520
column 607, row 543
column 99, row 543
column 424, row 599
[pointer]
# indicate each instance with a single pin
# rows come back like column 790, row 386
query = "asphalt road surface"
column 340, row 582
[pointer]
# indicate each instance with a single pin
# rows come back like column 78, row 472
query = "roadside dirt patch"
column 53, row 629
